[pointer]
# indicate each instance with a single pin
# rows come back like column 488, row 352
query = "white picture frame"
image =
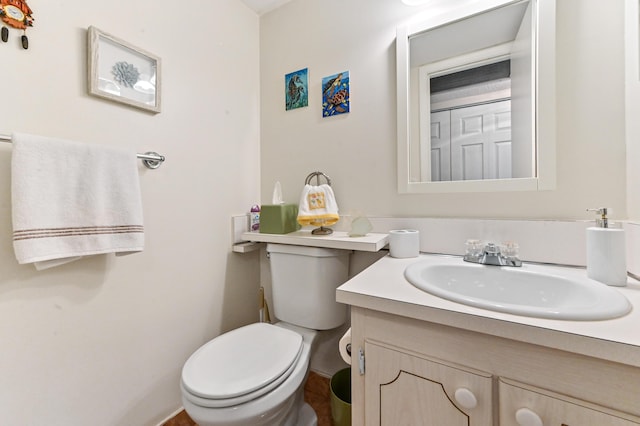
column 121, row 72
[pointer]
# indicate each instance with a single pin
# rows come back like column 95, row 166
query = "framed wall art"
column 121, row 72
column 296, row 87
column 335, row 94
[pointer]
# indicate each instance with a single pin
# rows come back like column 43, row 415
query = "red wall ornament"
column 16, row 14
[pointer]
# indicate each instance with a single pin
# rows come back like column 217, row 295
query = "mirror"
column 476, row 106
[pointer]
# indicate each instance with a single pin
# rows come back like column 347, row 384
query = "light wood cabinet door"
column 521, row 405
column 408, row 390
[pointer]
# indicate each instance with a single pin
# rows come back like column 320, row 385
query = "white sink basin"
column 532, row 290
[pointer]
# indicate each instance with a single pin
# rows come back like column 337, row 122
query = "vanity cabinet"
column 421, row 373
column 405, row 389
column 525, row 406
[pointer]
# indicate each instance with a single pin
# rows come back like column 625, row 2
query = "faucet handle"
column 473, row 247
column 510, row 249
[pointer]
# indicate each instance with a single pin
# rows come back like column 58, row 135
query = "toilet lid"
column 241, row 361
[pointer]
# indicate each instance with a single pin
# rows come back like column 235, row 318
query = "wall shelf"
column 247, row 247
column 371, row 242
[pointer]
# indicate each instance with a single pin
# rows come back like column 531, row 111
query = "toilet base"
column 306, row 416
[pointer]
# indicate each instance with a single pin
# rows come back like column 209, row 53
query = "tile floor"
column 316, row 394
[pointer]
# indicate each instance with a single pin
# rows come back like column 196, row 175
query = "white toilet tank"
column 304, row 281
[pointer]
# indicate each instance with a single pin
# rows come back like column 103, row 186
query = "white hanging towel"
column 73, row 199
column 318, row 206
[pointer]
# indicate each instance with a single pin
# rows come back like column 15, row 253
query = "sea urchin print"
column 125, row 73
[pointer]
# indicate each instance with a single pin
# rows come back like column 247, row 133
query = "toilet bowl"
column 255, row 375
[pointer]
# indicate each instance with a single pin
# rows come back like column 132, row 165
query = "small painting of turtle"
column 335, row 94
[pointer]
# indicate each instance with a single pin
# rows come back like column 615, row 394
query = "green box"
column 278, row 218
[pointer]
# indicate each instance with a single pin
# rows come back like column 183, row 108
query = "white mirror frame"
column 545, row 111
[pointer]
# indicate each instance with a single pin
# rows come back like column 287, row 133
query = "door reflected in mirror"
column 468, row 91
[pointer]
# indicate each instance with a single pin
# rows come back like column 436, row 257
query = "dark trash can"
column 341, row 397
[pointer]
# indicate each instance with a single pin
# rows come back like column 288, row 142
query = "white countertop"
column 382, row 287
column 337, row 240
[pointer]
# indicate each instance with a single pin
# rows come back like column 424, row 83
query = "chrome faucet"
column 491, row 254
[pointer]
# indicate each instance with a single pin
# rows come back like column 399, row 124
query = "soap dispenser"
column 606, row 252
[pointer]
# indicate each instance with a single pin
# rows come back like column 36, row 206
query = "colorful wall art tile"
column 296, row 86
column 335, row 94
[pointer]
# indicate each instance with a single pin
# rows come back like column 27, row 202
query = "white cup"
column 404, row 243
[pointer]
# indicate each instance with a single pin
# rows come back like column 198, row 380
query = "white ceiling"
column 264, row 6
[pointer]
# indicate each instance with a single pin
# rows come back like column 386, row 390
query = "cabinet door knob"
column 466, row 398
column 526, row 417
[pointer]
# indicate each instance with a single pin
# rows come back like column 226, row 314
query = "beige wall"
column 358, row 149
column 102, row 341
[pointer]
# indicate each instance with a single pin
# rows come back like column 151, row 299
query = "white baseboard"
column 172, row 415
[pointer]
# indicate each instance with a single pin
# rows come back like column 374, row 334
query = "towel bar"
column 151, row 160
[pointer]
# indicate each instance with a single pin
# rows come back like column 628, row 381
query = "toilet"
column 255, row 375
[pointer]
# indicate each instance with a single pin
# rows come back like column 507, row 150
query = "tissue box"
column 278, row 218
